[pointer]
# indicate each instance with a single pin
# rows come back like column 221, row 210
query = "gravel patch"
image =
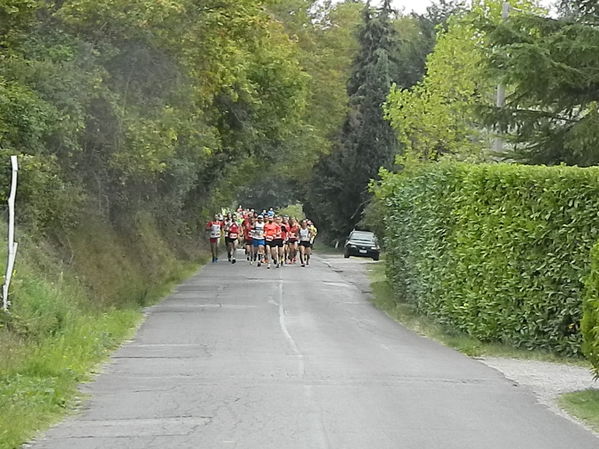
column 546, row 380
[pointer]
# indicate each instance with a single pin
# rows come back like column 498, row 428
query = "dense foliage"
column 498, row 251
column 436, row 117
column 339, row 188
column 325, row 40
column 125, row 106
column 590, row 319
column 440, row 116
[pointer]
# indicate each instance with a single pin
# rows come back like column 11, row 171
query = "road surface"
column 297, row 358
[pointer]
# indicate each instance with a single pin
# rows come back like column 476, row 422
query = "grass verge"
column 38, row 381
column 39, row 385
column 584, row 405
column 67, row 318
column 407, row 315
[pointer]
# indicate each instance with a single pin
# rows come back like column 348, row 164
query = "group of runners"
column 268, row 238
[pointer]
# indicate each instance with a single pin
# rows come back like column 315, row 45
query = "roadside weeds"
column 39, row 382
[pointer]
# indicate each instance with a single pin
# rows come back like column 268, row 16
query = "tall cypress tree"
column 339, row 190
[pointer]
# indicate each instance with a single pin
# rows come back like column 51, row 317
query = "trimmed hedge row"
column 498, row 251
column 590, row 319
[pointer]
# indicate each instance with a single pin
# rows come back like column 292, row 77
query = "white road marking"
column 315, row 414
column 292, row 343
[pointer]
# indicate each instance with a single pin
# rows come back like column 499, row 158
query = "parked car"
column 363, row 244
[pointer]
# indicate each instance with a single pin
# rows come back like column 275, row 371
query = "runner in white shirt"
column 305, row 238
column 258, row 239
column 214, row 231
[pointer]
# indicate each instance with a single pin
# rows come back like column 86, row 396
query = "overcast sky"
column 418, row 6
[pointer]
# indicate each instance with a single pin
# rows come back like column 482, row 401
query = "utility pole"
column 499, row 143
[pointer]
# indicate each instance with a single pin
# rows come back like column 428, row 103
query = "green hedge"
column 498, row 251
column 590, row 319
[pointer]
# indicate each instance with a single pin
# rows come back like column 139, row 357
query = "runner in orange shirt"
column 271, row 230
column 293, row 235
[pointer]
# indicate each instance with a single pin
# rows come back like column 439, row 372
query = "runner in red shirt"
column 231, row 238
column 280, row 239
column 247, row 226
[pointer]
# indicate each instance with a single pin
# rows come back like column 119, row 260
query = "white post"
column 505, row 14
column 12, row 246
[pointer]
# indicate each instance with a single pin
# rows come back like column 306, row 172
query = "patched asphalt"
column 298, row 358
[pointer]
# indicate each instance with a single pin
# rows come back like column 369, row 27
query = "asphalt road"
column 297, row 358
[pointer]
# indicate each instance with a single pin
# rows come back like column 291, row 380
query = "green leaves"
column 549, row 66
column 590, row 319
column 497, row 251
column 339, row 188
column 144, row 104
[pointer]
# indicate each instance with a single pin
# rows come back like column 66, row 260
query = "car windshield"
column 362, row 237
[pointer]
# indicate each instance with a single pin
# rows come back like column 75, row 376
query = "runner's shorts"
column 229, row 240
column 305, row 244
column 276, row 243
column 247, row 242
column 258, row 243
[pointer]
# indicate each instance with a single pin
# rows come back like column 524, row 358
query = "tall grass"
column 584, row 405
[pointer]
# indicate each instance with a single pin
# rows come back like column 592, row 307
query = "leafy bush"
column 590, row 319
column 498, row 251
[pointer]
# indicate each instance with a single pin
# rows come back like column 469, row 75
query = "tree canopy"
column 123, row 105
column 550, row 68
column 338, row 191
